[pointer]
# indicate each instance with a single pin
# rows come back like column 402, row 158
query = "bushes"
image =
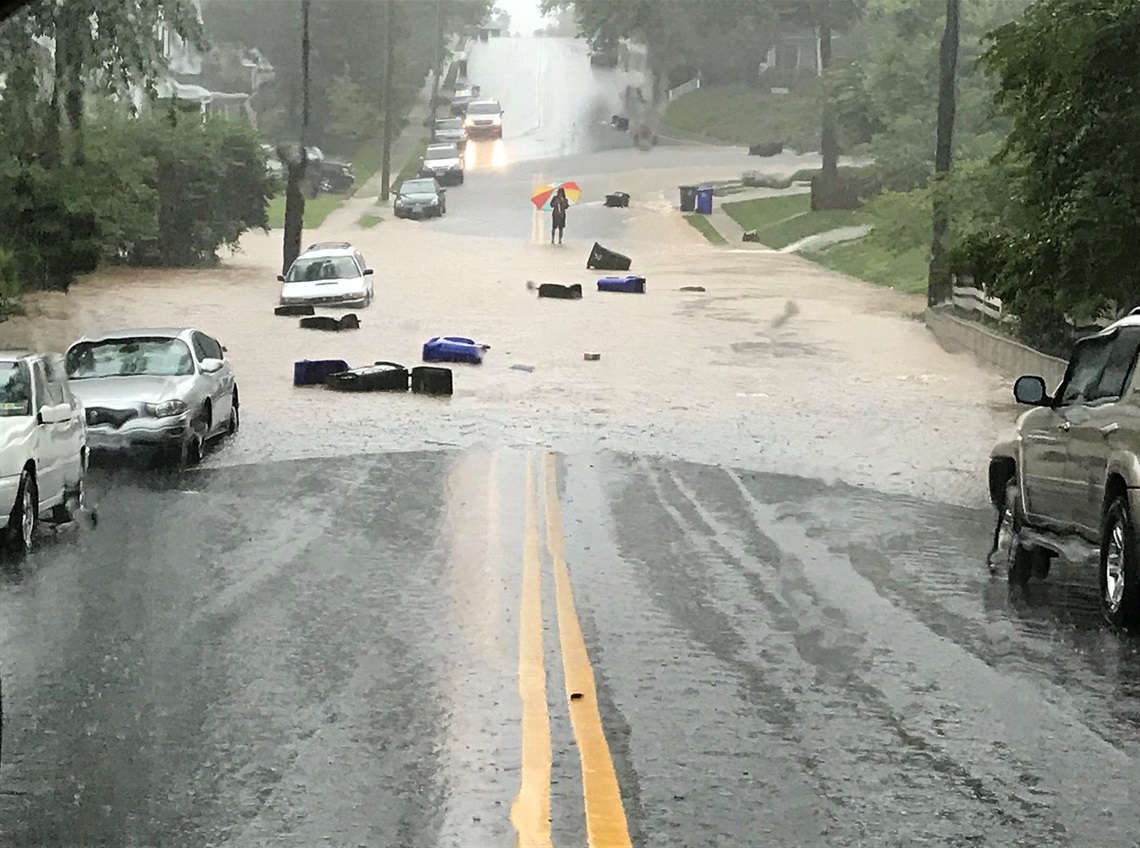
column 154, row 192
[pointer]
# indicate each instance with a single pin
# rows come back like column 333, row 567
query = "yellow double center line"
column 606, row 825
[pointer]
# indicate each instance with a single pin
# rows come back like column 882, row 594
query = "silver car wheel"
column 29, row 508
column 1114, row 569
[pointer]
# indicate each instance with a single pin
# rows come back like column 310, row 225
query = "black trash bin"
column 688, row 198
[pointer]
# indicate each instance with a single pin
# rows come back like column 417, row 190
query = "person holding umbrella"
column 558, row 206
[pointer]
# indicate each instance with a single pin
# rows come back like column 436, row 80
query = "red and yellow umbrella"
column 542, row 196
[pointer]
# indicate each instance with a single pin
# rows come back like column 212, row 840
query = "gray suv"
column 1068, row 479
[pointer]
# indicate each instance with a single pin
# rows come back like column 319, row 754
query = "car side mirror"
column 1031, row 390
column 280, row 278
column 211, row 366
column 368, row 272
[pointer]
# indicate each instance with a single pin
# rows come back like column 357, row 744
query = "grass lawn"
column 412, row 167
column 905, row 272
column 746, row 116
column 703, row 226
column 365, row 163
column 316, row 209
column 780, row 221
column 368, row 220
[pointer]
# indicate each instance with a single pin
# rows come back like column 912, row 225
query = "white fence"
column 968, row 298
column 685, row 88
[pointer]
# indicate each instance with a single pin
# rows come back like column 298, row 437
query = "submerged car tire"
column 1020, row 561
column 235, row 416
column 25, row 518
column 1119, row 567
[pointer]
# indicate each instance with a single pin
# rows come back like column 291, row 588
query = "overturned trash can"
column 705, row 200
column 604, row 259
column 688, row 198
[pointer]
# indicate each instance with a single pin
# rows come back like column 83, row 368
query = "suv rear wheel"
column 1120, row 567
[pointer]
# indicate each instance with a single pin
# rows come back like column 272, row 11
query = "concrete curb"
column 1008, row 356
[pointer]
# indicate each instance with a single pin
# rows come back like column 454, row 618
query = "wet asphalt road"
column 351, row 652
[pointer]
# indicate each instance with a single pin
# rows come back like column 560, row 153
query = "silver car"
column 160, row 392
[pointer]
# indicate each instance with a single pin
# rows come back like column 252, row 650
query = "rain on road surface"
column 381, row 649
column 333, row 652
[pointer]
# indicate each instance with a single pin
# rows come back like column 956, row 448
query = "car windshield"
column 130, row 357
column 322, row 268
column 418, row 187
column 15, row 390
column 489, row 108
column 441, row 151
column 449, row 124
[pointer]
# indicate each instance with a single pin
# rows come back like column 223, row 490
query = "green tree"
column 101, row 47
column 1066, row 77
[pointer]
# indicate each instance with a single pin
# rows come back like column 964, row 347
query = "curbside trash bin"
column 688, row 198
column 705, row 200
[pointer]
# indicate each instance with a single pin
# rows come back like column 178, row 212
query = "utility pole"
column 296, row 162
column 438, row 59
column 389, row 93
column 938, row 282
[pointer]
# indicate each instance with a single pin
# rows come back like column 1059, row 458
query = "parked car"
column 461, row 99
column 328, row 274
column 604, row 54
column 420, row 198
column 444, row 162
column 484, row 119
column 1067, row 480
column 332, row 176
column 161, row 393
column 43, row 446
column 450, row 130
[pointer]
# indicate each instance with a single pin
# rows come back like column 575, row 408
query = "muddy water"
column 845, row 383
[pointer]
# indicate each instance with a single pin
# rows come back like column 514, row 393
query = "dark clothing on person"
column 558, row 206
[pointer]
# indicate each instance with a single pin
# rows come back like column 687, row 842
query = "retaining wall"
column 1011, row 358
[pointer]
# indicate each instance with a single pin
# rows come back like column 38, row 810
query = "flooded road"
column 340, row 651
column 751, row 537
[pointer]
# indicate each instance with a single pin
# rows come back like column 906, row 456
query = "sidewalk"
column 366, row 198
column 732, row 231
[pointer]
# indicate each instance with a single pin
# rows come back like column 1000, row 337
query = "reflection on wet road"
column 447, row 648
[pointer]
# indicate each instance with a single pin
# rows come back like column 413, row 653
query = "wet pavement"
column 351, row 652
column 756, row 552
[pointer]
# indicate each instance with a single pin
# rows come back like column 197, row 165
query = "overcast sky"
column 525, row 15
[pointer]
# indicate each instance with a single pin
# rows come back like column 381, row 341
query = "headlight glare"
column 167, row 408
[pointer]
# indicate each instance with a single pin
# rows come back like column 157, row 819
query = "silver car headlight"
column 167, row 408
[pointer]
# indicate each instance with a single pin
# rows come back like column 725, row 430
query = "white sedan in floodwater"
column 328, row 274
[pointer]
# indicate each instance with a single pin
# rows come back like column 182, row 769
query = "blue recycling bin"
column 705, row 200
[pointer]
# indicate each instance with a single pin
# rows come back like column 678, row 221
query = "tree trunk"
column 294, row 197
column 294, row 212
column 61, row 77
column 73, row 105
column 938, row 286
column 828, row 143
column 390, row 92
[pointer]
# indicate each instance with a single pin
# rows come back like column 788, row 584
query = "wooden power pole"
column 938, row 281
column 297, row 162
column 389, row 96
